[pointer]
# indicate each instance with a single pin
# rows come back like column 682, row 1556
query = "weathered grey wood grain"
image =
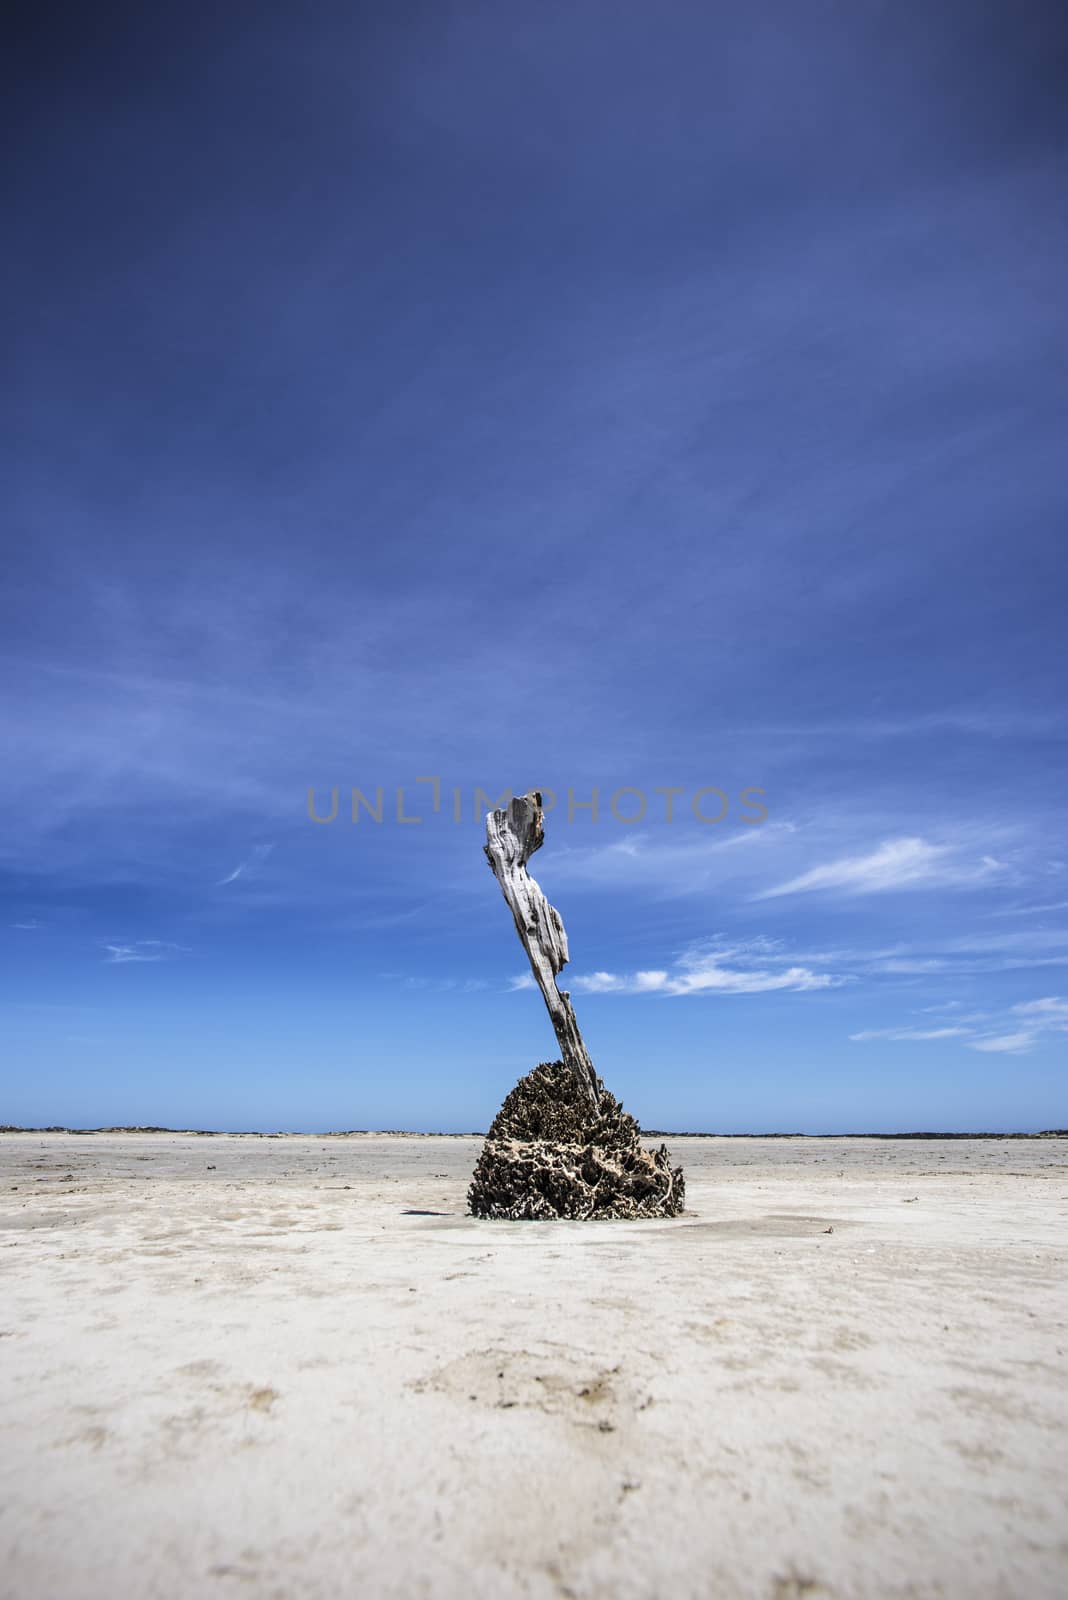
column 512, row 836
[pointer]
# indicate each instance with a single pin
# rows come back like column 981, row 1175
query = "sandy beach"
column 293, row 1367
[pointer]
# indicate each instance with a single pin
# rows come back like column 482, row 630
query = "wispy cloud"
column 1051, row 1012
column 28, row 927
column 908, row 863
column 920, row 1035
column 977, row 953
column 1016, row 1044
column 758, row 966
column 248, row 867
column 762, row 964
column 143, row 950
column 440, row 985
column 992, row 1033
column 679, row 863
column 1030, row 911
column 1009, row 723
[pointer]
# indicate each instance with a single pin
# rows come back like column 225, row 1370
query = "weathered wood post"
column 561, row 1145
column 512, row 836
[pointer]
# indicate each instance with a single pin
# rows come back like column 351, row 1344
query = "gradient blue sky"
column 572, row 395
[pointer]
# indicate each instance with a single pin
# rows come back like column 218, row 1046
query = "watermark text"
column 408, row 806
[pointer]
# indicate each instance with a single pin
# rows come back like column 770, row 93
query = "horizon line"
column 440, row 1133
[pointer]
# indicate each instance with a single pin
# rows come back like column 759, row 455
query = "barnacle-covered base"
column 549, row 1155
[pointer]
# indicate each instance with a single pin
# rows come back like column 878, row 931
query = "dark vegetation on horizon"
column 416, row 1133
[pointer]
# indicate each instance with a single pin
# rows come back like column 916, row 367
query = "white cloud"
column 1050, row 1012
column 599, row 983
column 524, row 981
column 897, row 864
column 1010, row 1043
column 28, row 927
column 713, row 966
column 757, row 967
column 143, row 950
column 650, row 980
column 633, row 983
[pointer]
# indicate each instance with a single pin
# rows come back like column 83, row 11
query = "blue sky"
column 592, row 395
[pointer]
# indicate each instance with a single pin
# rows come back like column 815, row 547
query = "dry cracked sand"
column 292, row 1367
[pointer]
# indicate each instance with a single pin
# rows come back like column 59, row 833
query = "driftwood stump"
column 561, row 1145
column 512, row 836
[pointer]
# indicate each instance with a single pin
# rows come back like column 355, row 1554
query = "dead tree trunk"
column 512, row 836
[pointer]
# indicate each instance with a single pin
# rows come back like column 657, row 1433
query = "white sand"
column 293, row 1368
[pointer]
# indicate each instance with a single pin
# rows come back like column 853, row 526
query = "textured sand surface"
column 292, row 1367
